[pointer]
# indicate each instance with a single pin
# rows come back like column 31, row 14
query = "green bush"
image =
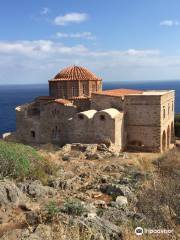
column 74, row 207
column 19, row 161
column 52, row 209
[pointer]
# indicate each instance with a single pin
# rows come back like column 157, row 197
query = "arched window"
column 73, row 91
column 80, row 116
column 172, row 106
column 168, row 108
column 102, row 118
column 33, row 134
column 164, row 112
column 84, row 89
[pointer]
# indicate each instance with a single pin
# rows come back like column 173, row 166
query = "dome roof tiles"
column 75, row 73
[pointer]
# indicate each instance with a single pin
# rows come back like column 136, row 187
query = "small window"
column 73, row 91
column 80, row 116
column 84, row 89
column 33, row 134
column 168, row 108
column 102, row 118
column 94, row 87
column 172, row 106
column 164, row 112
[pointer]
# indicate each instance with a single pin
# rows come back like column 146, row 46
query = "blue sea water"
column 14, row 95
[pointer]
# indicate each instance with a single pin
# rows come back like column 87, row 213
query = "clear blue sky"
column 116, row 39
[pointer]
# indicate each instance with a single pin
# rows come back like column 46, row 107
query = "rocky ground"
column 92, row 195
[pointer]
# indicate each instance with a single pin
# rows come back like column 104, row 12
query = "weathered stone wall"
column 27, row 124
column 54, row 122
column 143, row 122
column 98, row 127
column 50, row 126
column 82, row 104
column 100, row 102
column 167, row 120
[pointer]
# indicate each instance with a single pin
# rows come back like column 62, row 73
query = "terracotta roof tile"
column 62, row 101
column 75, row 73
column 119, row 92
column 44, row 98
column 80, row 97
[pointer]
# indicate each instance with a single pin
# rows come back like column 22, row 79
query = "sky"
column 119, row 40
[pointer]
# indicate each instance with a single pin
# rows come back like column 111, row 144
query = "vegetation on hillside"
column 19, row 161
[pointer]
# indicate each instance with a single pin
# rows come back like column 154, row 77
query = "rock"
column 66, row 157
column 32, row 218
column 116, row 215
column 102, row 147
column 113, row 168
column 92, row 215
column 94, row 156
column 98, row 236
column 64, row 184
column 125, row 181
column 121, row 201
column 10, row 194
column 90, row 152
column 43, row 232
column 138, row 216
column 116, row 190
column 108, row 230
column 36, row 189
column 137, row 175
column 65, row 175
column 91, row 148
column 100, row 204
column 66, row 148
column 79, row 147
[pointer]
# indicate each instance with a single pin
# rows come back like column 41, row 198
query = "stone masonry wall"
column 100, row 102
column 143, row 122
column 167, row 120
column 99, row 128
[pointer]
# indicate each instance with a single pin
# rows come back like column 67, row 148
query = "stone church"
column 77, row 110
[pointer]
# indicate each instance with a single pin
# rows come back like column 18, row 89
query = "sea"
column 15, row 95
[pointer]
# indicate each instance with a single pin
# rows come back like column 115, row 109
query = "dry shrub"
column 159, row 198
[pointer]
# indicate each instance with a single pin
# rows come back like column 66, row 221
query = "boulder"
column 116, row 190
column 116, row 215
column 10, row 194
column 66, row 157
column 66, row 148
column 36, row 189
column 102, row 147
column 121, row 201
column 64, row 184
column 100, row 204
column 108, row 230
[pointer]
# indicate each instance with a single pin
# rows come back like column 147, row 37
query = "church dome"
column 75, row 73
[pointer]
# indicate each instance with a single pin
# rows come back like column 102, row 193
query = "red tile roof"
column 44, row 98
column 62, row 101
column 119, row 92
column 75, row 73
column 80, row 97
